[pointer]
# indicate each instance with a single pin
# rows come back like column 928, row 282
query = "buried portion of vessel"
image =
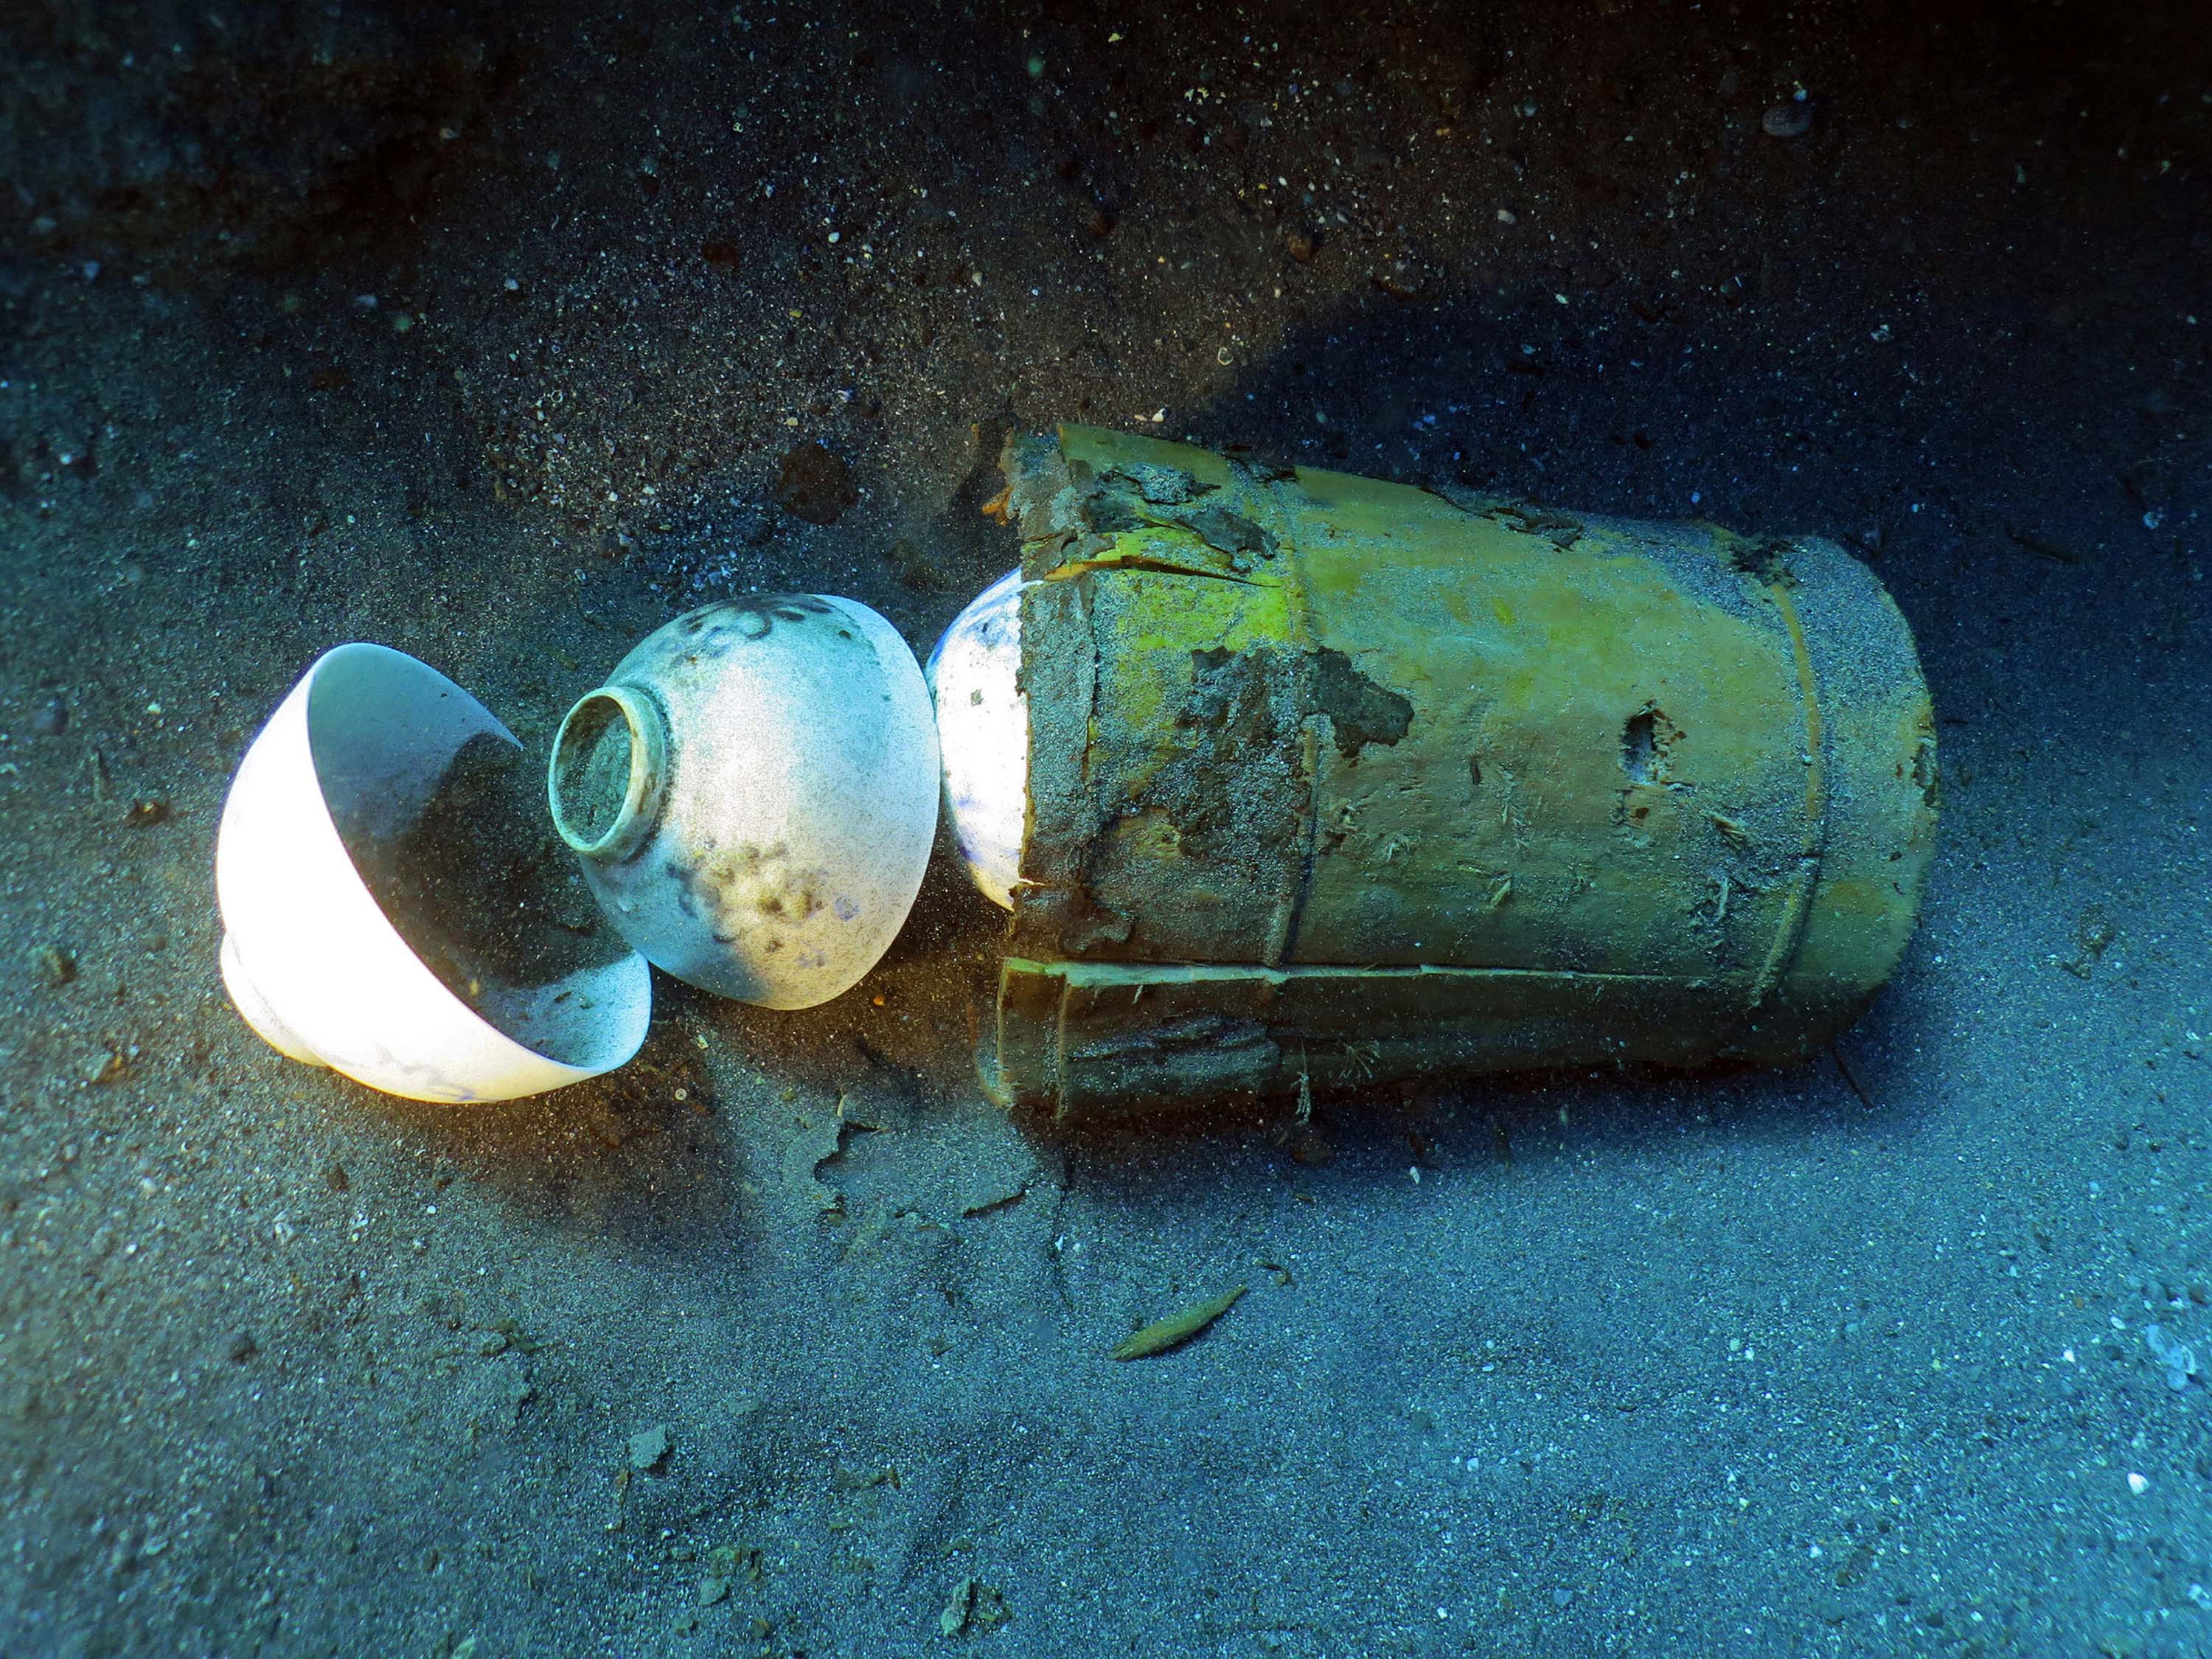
column 1338, row 780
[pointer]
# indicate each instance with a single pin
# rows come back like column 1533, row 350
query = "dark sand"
column 486, row 334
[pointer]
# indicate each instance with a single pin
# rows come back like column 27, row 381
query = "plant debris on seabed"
column 973, row 1605
column 1176, row 1328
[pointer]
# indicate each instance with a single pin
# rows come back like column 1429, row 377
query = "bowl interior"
column 445, row 821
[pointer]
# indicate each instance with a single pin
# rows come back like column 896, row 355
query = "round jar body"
column 753, row 794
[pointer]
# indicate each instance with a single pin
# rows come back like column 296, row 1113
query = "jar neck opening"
column 610, row 763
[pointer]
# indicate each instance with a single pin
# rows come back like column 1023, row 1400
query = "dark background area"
column 486, row 333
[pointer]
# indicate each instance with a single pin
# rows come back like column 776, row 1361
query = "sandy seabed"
column 500, row 336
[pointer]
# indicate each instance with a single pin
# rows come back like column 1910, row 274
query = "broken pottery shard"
column 649, row 1448
column 973, row 1605
column 954, row 1619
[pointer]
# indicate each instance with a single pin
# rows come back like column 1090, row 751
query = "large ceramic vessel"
column 1332, row 781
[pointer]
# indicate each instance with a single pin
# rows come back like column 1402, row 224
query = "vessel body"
column 343, row 772
column 753, row 794
column 1340, row 780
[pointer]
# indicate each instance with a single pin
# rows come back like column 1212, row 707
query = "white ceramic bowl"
column 311, row 960
column 753, row 794
column 983, row 735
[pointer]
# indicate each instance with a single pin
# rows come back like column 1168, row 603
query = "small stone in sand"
column 649, row 1448
column 1790, row 120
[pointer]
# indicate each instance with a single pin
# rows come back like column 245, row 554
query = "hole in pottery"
column 1646, row 745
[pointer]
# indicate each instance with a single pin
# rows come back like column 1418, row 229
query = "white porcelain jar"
column 753, row 792
column 983, row 735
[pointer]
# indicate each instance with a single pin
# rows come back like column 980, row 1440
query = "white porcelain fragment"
column 984, row 733
column 309, row 957
column 753, row 794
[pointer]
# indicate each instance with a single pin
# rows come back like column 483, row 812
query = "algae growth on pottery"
column 1334, row 781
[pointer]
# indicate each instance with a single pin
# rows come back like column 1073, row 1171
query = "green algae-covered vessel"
column 1334, row 781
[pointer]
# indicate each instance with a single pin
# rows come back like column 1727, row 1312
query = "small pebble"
column 649, row 1448
column 1301, row 246
column 1790, row 120
column 56, row 967
column 51, row 719
column 2178, row 1358
column 241, row 1347
column 147, row 810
